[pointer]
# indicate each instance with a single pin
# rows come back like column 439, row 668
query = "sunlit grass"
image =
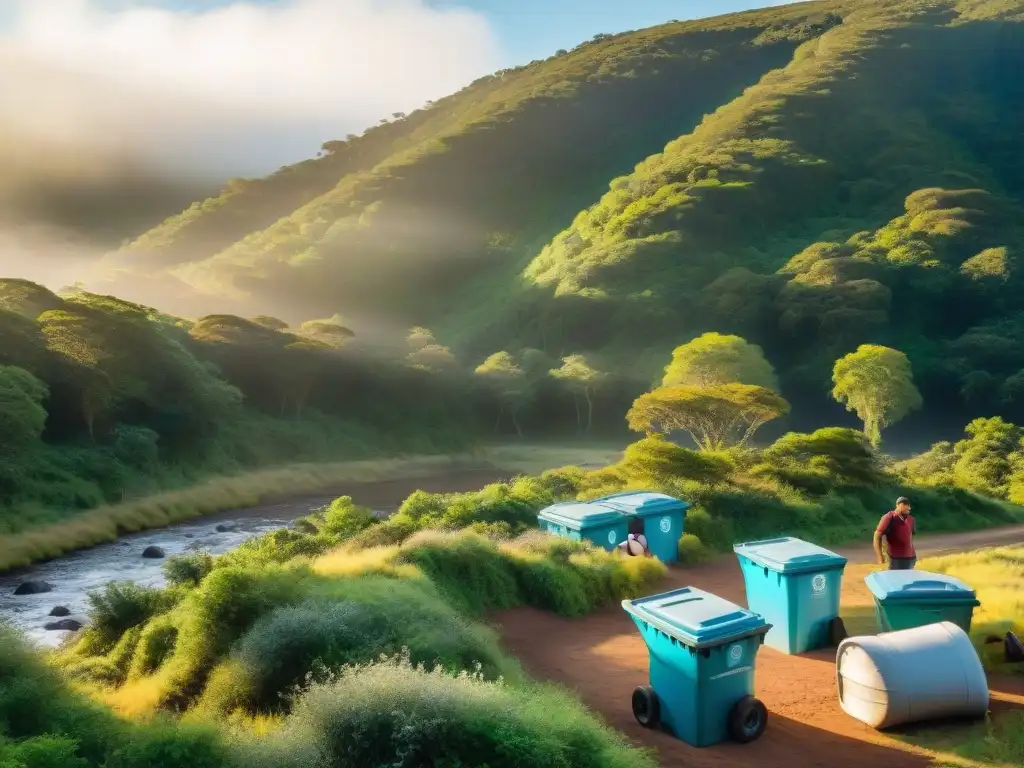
column 997, row 575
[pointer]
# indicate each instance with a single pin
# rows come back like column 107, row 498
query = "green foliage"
column 713, row 359
column 120, row 606
column 394, row 711
column 715, row 417
column 583, row 379
column 989, row 461
column 22, row 416
column 362, row 619
column 878, row 384
column 46, row 725
column 188, row 569
column 828, row 458
column 656, row 459
column 101, row 399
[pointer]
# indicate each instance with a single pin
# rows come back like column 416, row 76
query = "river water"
column 75, row 575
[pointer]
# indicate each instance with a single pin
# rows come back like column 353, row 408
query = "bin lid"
column 916, row 585
column 789, row 555
column 697, row 618
column 580, row 515
column 643, row 503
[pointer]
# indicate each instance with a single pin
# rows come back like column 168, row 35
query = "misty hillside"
column 826, row 174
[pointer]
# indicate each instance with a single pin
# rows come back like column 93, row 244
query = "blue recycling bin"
column 602, row 525
column 663, row 519
column 796, row 586
column 702, row 652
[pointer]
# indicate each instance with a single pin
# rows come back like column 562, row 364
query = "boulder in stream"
column 153, row 552
column 60, row 610
column 63, row 624
column 33, row 588
column 225, row 528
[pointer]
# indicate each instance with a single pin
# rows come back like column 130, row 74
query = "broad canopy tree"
column 877, row 383
column 716, row 417
column 713, row 359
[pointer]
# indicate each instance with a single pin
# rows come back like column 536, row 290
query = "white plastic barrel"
column 925, row 673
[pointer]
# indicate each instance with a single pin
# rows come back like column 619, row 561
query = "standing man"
column 897, row 528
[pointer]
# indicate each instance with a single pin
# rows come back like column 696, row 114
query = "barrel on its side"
column 925, row 673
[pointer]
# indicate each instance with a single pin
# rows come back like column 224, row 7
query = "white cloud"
column 239, row 88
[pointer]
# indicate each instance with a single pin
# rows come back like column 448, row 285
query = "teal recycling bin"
column 909, row 599
column 604, row 526
column 702, row 651
column 796, row 586
column 663, row 519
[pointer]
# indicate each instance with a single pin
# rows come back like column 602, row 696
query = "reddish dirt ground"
column 603, row 658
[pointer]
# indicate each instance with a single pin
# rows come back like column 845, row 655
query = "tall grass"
column 46, row 725
column 998, row 577
column 105, row 523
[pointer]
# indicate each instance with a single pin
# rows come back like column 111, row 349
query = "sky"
column 116, row 113
column 225, row 87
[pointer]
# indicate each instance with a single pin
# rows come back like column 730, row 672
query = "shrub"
column 342, row 519
column 822, row 460
column 657, row 459
column 392, row 713
column 361, row 620
column 188, row 569
column 169, row 746
column 42, row 752
column 388, row 533
column 467, row 568
column 692, row 550
column 216, row 614
column 119, row 606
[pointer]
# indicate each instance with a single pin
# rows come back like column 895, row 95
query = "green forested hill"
column 835, row 173
column 452, row 189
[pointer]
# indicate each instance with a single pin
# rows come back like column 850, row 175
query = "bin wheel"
column 646, row 707
column 747, row 720
column 837, row 631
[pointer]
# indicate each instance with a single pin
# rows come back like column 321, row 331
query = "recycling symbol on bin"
column 665, row 524
column 735, row 654
column 818, row 583
column 611, row 537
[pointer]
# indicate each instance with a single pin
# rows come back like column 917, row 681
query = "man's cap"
column 902, row 500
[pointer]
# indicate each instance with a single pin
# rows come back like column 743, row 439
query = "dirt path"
column 603, row 658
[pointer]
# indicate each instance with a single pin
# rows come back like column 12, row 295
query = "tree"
column 503, row 373
column 22, row 416
column 715, row 417
column 714, row 359
column 419, row 337
column 433, row 358
column 581, row 378
column 271, row 322
column 326, row 332
column 878, row 384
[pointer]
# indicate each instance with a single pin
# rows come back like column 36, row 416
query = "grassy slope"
column 491, row 170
